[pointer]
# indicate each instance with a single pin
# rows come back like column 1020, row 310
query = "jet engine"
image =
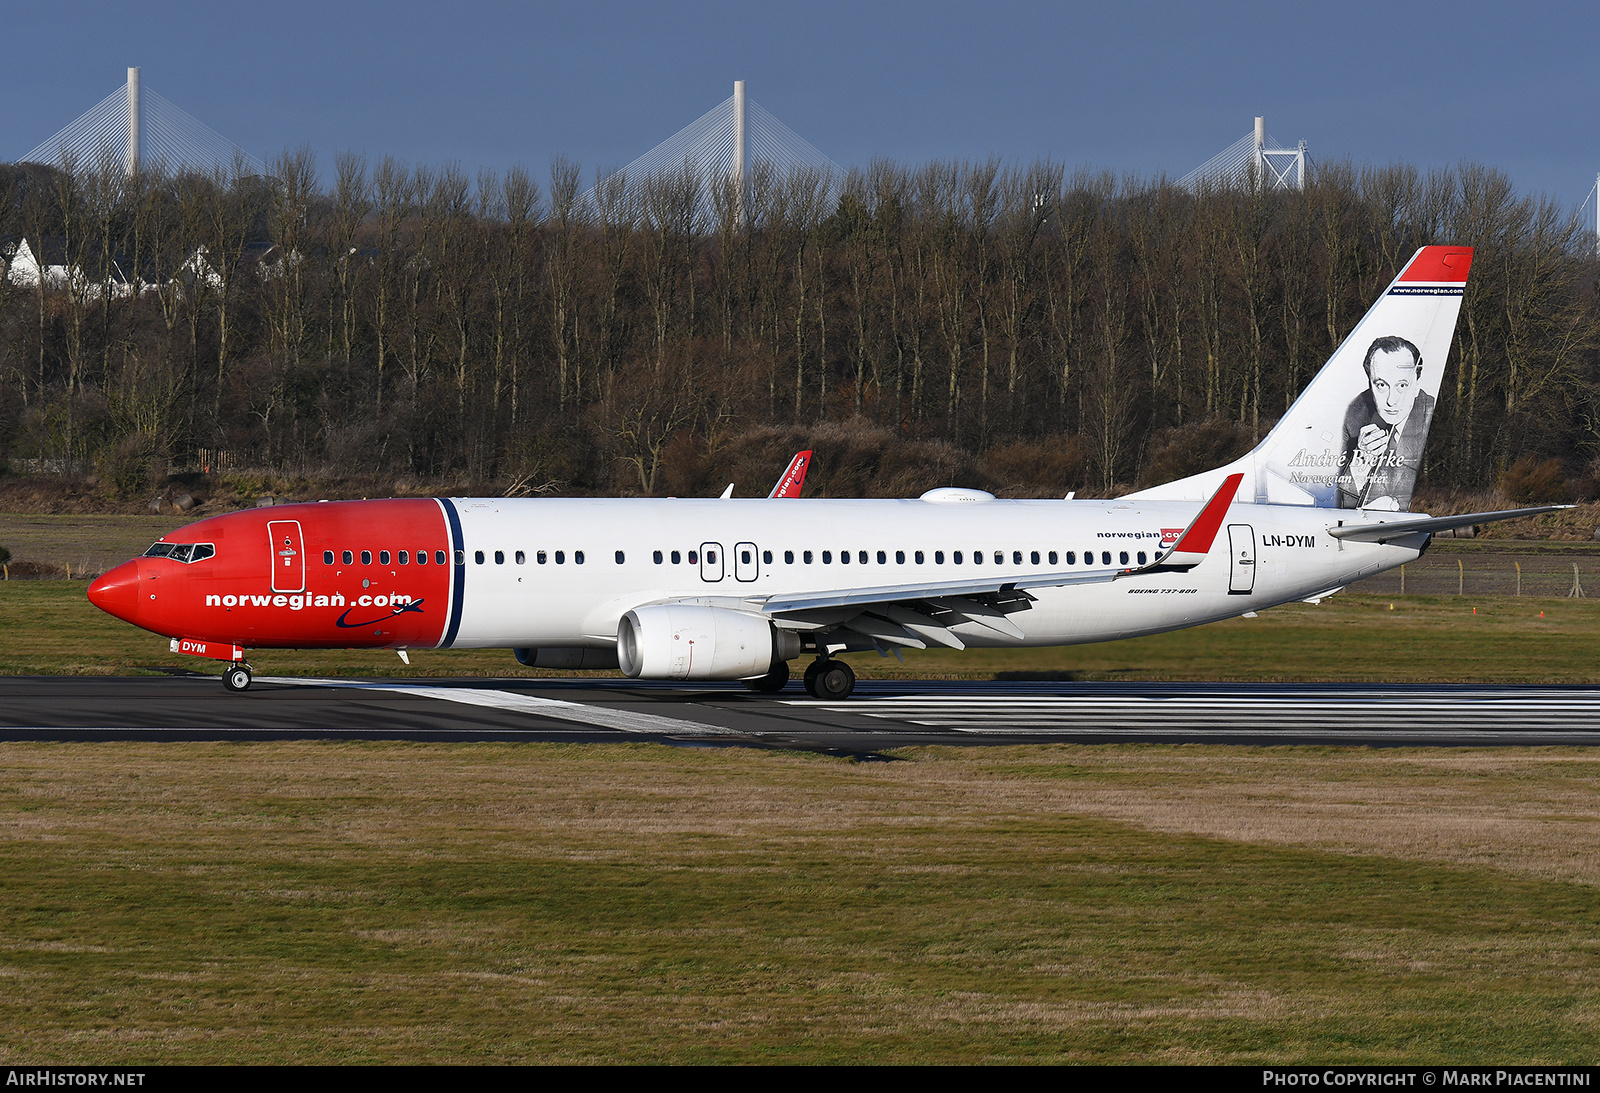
column 671, row 641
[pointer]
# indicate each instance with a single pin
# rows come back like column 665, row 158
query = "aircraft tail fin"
column 1354, row 437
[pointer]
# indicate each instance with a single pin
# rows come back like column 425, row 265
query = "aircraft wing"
column 1384, row 531
column 919, row 612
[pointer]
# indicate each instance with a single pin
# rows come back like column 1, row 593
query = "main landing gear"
column 773, row 682
column 237, row 677
column 830, row 679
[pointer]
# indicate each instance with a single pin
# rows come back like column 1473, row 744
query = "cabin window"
column 1034, row 558
column 477, row 556
column 656, row 557
column 844, row 557
column 522, row 557
column 808, row 557
column 541, row 557
column 438, row 557
column 1016, row 557
column 788, row 557
column 918, row 557
column 1141, row 558
column 1000, row 557
column 327, row 557
column 899, row 557
column 694, row 557
column 561, row 557
column 1105, row 557
column 1072, row 557
column 577, row 557
column 977, row 557
column 861, row 556
column 499, row 557
column 383, row 557
column 621, row 558
column 766, row 557
column 348, row 557
column 1053, row 558
column 938, row 557
column 366, row 557
column 461, row 557
column 1122, row 559
column 955, row 557
column 827, row 557
column 405, row 558
column 744, row 557
column 676, row 557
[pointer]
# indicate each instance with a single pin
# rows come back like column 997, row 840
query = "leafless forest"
column 976, row 322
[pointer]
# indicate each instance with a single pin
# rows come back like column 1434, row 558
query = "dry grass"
column 431, row 903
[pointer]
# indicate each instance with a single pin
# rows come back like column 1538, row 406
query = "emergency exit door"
column 711, row 562
column 746, row 562
column 1242, row 545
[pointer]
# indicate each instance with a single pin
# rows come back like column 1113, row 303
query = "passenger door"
column 288, row 556
column 746, row 563
column 1242, row 546
column 711, row 562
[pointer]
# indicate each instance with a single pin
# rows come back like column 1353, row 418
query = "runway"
column 881, row 715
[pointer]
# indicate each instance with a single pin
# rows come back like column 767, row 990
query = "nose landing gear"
column 830, row 679
column 237, row 677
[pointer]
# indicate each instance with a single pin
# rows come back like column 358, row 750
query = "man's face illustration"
column 1393, row 379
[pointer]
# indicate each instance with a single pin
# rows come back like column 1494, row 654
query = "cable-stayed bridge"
column 725, row 143
column 141, row 130
column 1254, row 159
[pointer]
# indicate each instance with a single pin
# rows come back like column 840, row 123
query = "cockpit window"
column 182, row 552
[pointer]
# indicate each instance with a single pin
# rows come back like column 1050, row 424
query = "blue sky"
column 1145, row 87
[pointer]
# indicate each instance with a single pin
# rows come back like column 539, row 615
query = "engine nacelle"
column 672, row 641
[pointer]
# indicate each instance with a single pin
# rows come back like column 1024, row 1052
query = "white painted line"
column 619, row 720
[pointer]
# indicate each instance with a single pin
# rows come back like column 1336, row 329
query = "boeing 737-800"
column 705, row 589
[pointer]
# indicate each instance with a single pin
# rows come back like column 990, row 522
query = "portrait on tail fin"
column 1385, row 429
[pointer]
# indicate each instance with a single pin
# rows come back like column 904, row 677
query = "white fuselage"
column 1264, row 555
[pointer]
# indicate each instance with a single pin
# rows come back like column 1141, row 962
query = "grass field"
column 406, row 903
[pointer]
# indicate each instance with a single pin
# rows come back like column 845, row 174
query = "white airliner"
column 705, row 589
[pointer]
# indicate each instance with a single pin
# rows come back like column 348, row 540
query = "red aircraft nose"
column 117, row 592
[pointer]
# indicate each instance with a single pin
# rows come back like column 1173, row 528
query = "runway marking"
column 602, row 716
column 1326, row 715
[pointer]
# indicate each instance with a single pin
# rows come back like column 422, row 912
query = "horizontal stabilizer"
column 1388, row 530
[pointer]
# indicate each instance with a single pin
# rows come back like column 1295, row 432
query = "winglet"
column 793, row 477
column 1195, row 542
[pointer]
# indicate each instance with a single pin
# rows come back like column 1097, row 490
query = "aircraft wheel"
column 835, row 680
column 236, row 678
column 810, row 678
column 773, row 682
